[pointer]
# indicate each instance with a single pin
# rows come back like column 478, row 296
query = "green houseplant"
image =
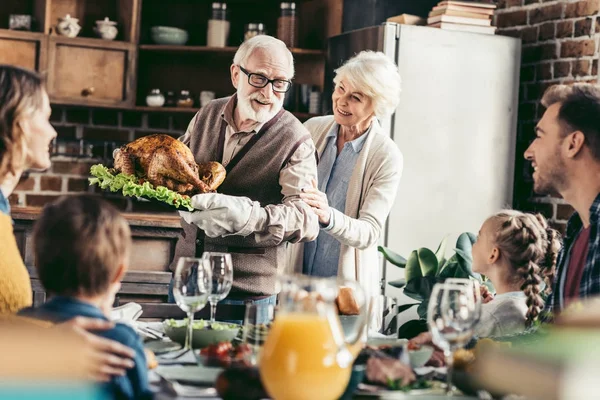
column 423, row 269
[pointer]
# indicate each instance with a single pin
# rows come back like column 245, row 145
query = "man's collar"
column 227, row 116
column 574, row 225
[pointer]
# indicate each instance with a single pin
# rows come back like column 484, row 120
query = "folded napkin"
column 186, row 359
column 126, row 314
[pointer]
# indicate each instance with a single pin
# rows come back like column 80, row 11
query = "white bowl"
column 418, row 358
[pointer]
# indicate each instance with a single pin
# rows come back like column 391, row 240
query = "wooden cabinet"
column 24, row 49
column 89, row 71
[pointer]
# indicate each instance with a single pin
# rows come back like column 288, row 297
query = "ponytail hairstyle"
column 531, row 247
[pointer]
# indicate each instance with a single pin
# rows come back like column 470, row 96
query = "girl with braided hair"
column 516, row 251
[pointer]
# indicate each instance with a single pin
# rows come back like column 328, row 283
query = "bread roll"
column 151, row 361
column 346, row 303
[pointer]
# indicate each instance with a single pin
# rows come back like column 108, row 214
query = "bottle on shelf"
column 185, row 99
column 253, row 29
column 287, row 26
column 218, row 26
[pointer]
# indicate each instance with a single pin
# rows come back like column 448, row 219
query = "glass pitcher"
column 307, row 354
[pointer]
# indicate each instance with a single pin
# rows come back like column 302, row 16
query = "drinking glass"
column 221, row 268
column 191, row 288
column 451, row 316
column 476, row 287
column 257, row 322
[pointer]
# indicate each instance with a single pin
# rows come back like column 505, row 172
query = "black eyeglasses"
column 260, row 81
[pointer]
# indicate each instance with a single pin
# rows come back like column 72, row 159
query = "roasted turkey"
column 165, row 161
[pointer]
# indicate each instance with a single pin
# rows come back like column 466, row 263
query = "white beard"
column 263, row 115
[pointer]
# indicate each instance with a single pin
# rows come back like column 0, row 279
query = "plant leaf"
column 420, row 288
column 413, row 267
column 405, row 307
column 440, row 253
column 400, row 283
column 392, row 257
column 452, row 260
column 422, row 309
column 412, row 328
column 464, row 251
column 428, row 261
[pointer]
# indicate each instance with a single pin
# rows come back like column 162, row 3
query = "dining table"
column 182, row 377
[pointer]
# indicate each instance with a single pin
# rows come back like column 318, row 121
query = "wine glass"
column 191, row 288
column 476, row 287
column 257, row 322
column 222, row 278
column 451, row 316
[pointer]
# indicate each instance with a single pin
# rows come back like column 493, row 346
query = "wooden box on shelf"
column 90, row 72
column 23, row 49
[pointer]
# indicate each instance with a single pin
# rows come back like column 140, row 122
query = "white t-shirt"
column 505, row 315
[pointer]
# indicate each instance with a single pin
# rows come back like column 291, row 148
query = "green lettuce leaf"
column 129, row 186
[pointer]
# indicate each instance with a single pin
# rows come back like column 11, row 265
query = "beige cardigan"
column 371, row 192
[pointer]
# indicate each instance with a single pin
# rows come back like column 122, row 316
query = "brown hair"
column 79, row 243
column 579, row 111
column 531, row 248
column 20, row 96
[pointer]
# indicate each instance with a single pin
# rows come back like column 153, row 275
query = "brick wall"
column 87, row 136
column 560, row 45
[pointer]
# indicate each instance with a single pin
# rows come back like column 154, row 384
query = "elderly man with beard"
column 269, row 157
column 565, row 156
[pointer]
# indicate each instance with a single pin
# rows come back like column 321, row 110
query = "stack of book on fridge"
column 467, row 16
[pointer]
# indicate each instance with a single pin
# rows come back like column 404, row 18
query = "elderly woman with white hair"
column 359, row 172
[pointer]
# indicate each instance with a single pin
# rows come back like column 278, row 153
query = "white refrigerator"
column 455, row 126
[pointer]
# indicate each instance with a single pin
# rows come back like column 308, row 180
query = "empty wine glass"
column 191, row 288
column 451, row 316
column 476, row 287
column 257, row 322
column 222, row 278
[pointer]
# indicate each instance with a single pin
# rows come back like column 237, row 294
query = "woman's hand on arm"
column 317, row 200
column 101, row 358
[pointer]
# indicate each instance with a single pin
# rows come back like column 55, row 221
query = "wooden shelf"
column 190, row 110
column 205, row 49
column 8, row 33
column 193, row 110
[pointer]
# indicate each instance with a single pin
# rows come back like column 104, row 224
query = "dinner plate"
column 193, row 375
column 421, row 394
column 162, row 204
column 161, row 346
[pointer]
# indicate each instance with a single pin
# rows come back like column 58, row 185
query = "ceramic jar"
column 68, row 26
column 155, row 98
column 185, row 99
column 106, row 29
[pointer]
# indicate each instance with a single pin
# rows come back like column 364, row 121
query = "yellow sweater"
column 15, row 286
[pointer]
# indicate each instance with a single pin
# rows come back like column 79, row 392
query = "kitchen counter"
column 154, row 237
column 134, row 219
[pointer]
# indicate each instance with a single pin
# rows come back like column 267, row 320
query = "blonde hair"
column 532, row 248
column 375, row 75
column 265, row 42
column 79, row 243
column 21, row 93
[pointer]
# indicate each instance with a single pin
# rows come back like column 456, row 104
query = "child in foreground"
column 82, row 246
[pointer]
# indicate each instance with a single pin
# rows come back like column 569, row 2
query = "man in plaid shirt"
column 565, row 156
